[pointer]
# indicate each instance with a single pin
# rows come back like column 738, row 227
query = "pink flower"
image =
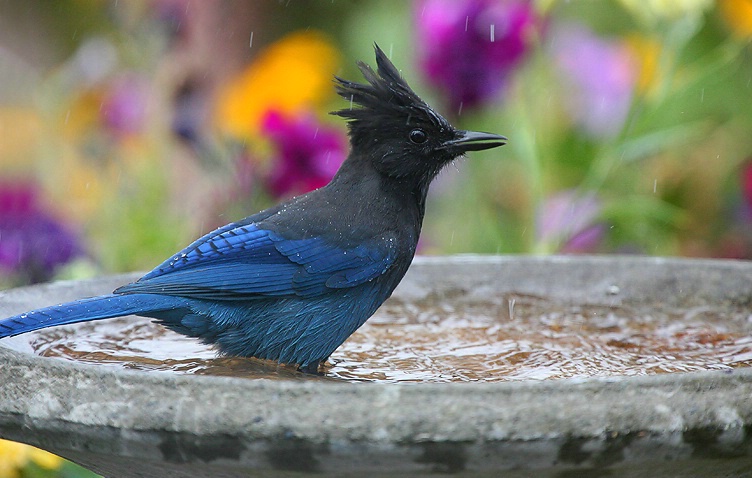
column 600, row 75
column 567, row 220
column 124, row 107
column 308, row 153
column 468, row 48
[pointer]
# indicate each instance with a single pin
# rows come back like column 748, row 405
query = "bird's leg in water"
column 312, row 368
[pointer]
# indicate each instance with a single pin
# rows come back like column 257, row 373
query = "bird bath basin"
column 552, row 366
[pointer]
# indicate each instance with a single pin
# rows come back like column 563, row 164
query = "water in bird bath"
column 517, row 338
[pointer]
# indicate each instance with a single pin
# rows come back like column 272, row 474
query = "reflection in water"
column 518, row 338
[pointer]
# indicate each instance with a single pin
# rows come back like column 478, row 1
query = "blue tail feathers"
column 84, row 310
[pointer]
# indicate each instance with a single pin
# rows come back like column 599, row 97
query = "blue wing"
column 244, row 261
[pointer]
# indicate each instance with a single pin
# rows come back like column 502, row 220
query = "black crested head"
column 397, row 131
column 386, row 95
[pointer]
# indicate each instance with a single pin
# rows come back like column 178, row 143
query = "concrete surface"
column 137, row 424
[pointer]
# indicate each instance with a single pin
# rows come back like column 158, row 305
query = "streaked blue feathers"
column 249, row 291
column 216, row 267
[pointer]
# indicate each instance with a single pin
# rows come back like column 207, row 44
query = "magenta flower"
column 567, row 220
column 308, row 153
column 600, row 75
column 468, row 48
column 33, row 244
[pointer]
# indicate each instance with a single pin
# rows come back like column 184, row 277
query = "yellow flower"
column 45, row 459
column 21, row 130
column 288, row 76
column 738, row 15
column 646, row 52
column 13, row 456
column 83, row 114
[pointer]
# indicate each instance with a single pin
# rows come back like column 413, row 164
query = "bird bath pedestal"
column 133, row 424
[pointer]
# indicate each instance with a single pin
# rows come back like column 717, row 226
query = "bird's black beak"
column 475, row 141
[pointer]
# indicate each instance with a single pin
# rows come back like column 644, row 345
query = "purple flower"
column 308, row 153
column 600, row 75
column 567, row 221
column 32, row 242
column 468, row 48
column 746, row 187
column 124, row 106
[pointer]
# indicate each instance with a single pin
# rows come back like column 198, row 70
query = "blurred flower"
column 655, row 11
column 123, row 109
column 14, row 456
column 646, row 53
column 469, row 48
column 601, row 75
column 44, row 458
column 22, row 129
column 289, row 76
column 745, row 179
column 32, row 242
column 566, row 221
column 308, row 153
column 738, row 15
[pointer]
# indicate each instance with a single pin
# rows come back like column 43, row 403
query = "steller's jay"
column 291, row 283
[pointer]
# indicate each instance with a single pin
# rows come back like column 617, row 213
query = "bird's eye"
column 418, row 136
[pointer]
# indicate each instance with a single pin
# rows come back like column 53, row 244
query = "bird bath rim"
column 105, row 417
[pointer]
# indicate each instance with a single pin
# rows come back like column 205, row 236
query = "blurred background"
column 129, row 128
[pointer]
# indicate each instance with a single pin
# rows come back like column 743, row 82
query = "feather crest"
column 386, row 94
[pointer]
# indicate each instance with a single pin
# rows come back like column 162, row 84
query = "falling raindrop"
column 250, row 44
column 511, row 308
column 493, row 36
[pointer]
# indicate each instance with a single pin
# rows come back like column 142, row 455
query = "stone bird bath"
column 124, row 423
